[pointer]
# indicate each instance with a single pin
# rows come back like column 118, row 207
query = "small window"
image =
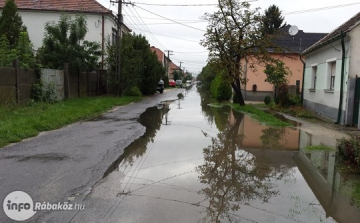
column 113, row 36
column 254, row 88
column 313, row 77
column 331, row 74
column 297, row 86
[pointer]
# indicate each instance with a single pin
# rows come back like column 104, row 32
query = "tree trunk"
column 237, row 88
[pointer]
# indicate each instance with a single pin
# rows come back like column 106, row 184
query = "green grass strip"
column 20, row 122
column 260, row 115
column 319, row 147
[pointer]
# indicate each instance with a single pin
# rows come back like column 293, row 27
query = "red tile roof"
column 60, row 5
column 174, row 66
column 345, row 27
column 159, row 53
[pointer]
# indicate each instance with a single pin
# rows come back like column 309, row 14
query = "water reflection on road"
column 197, row 163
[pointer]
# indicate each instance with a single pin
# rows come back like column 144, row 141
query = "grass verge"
column 20, row 122
column 260, row 115
column 319, row 148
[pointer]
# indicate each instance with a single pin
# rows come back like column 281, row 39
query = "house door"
column 356, row 102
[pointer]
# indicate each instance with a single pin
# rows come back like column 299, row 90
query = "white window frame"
column 331, row 73
column 313, row 76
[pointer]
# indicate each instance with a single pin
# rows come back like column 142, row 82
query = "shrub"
column 220, row 89
column 294, row 100
column 348, row 151
column 133, row 91
column 267, row 99
column 42, row 92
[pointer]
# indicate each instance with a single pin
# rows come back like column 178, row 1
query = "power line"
column 160, row 44
column 179, row 20
column 142, row 3
column 320, row 9
column 183, row 5
column 149, row 36
column 171, row 19
column 168, row 36
column 163, row 23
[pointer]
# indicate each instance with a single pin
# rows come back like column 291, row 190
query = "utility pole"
column 120, row 22
column 118, row 45
column 168, row 63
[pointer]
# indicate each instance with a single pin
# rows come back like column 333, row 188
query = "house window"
column 297, row 86
column 254, row 88
column 331, row 70
column 313, row 77
column 113, row 36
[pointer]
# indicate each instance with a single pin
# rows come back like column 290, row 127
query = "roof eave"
column 312, row 49
column 63, row 10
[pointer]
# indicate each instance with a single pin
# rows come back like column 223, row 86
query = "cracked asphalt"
column 64, row 164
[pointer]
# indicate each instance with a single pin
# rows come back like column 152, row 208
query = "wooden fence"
column 16, row 83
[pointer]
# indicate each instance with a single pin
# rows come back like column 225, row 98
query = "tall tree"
column 233, row 38
column 272, row 20
column 139, row 66
column 65, row 42
column 10, row 23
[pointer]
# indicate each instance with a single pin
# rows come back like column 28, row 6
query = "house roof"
column 299, row 42
column 174, row 66
column 345, row 27
column 159, row 53
column 60, row 5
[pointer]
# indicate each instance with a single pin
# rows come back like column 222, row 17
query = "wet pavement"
column 196, row 163
column 189, row 162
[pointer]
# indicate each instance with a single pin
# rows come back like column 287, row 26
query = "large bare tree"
column 234, row 38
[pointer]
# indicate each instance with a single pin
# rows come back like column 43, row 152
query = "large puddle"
column 201, row 164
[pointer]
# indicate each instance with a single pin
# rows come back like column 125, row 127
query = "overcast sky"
column 151, row 21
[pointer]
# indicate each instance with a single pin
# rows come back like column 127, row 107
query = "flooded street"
column 196, row 163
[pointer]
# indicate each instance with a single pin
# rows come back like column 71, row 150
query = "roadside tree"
column 234, row 35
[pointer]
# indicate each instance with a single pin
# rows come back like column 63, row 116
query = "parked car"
column 160, row 86
column 172, row 83
column 188, row 83
column 179, row 83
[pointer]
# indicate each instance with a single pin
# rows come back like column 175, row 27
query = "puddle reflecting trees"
column 232, row 176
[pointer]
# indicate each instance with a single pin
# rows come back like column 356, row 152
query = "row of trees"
column 237, row 34
column 65, row 42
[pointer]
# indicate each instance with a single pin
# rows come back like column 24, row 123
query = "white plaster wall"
column 35, row 22
column 320, row 57
column 355, row 51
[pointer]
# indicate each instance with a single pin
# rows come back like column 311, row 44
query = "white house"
column 332, row 74
column 101, row 22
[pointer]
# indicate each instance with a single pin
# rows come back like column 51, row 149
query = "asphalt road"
column 64, row 164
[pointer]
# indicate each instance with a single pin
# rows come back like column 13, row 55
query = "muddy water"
column 201, row 164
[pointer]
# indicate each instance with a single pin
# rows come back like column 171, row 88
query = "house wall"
column 355, row 52
column 322, row 100
column 258, row 77
column 35, row 22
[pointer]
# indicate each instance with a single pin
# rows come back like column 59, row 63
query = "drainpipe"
column 303, row 78
column 342, row 76
column 102, row 42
